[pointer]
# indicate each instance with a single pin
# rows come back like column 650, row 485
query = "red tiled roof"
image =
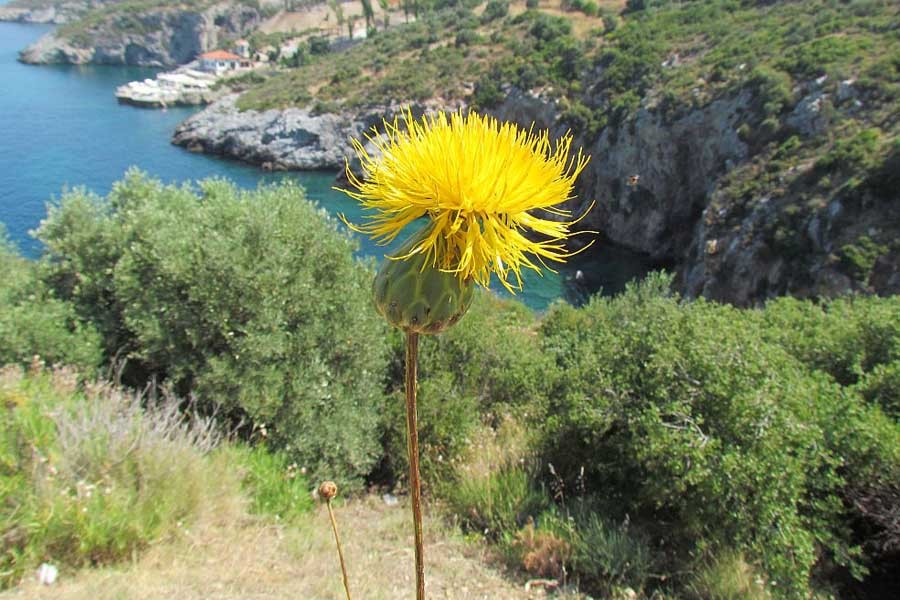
column 220, row 55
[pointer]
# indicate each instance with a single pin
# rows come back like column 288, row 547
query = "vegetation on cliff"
column 815, row 83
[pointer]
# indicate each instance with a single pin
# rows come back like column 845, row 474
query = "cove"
column 61, row 127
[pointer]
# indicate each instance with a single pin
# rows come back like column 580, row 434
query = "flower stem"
column 412, row 436
column 337, row 540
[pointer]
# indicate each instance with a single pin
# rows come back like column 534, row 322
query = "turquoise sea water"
column 60, row 126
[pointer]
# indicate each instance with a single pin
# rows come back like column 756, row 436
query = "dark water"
column 61, row 127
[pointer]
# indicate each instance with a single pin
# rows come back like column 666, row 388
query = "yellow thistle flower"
column 478, row 181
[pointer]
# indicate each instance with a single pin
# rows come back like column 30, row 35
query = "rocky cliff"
column 49, row 13
column 692, row 192
column 162, row 36
column 664, row 186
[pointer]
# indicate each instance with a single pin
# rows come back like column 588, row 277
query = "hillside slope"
column 753, row 148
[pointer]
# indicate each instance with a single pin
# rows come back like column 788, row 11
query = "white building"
column 219, row 61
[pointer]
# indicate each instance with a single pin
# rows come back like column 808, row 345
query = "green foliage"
column 860, row 256
column 494, row 491
column 609, row 556
column 497, row 503
column 465, row 375
column 853, row 154
column 91, row 477
column 703, row 422
column 772, row 89
column 495, row 9
column 727, row 577
column 274, row 485
column 881, row 386
column 34, row 322
column 251, row 300
column 846, row 338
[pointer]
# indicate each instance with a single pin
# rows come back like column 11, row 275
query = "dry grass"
column 250, row 559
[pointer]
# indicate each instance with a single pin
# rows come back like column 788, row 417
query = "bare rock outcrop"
column 275, row 139
column 160, row 37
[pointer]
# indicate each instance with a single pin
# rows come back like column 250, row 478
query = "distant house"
column 218, row 61
column 242, row 48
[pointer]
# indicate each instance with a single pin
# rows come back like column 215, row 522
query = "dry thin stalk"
column 415, row 486
column 337, row 540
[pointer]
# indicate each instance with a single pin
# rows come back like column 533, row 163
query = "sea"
column 62, row 128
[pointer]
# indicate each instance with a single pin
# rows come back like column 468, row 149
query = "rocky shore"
column 274, row 139
column 657, row 184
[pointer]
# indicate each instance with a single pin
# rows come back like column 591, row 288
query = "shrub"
column 859, row 152
column 881, row 386
column 772, row 90
column 532, row 4
column 495, row 9
column 494, row 492
column 250, row 300
column 91, row 477
column 728, row 577
column 504, row 370
column 609, row 556
column 685, row 414
column 34, row 322
column 845, row 338
column 274, row 485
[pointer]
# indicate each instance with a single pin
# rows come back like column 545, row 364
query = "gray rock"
column 169, row 36
column 288, row 139
column 846, row 91
column 808, row 118
column 291, row 139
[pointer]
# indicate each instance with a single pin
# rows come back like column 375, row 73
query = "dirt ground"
column 255, row 560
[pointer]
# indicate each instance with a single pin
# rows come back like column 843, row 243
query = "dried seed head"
column 328, row 490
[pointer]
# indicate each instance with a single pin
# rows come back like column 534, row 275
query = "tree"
column 385, row 7
column 368, row 13
column 338, row 11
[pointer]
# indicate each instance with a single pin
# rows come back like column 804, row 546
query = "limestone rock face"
column 658, row 187
column 651, row 178
column 659, row 184
column 161, row 37
column 288, row 139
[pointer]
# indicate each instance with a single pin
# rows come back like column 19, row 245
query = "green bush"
column 250, row 300
column 607, row 556
column 686, row 414
column 91, row 477
column 845, row 337
column 860, row 152
column 465, row 377
column 772, row 90
column 495, row 9
column 881, row 386
column 274, row 485
column 34, row 322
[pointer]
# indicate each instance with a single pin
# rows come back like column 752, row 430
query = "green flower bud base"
column 417, row 297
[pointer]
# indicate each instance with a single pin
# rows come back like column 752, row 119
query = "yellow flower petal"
column 478, row 181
